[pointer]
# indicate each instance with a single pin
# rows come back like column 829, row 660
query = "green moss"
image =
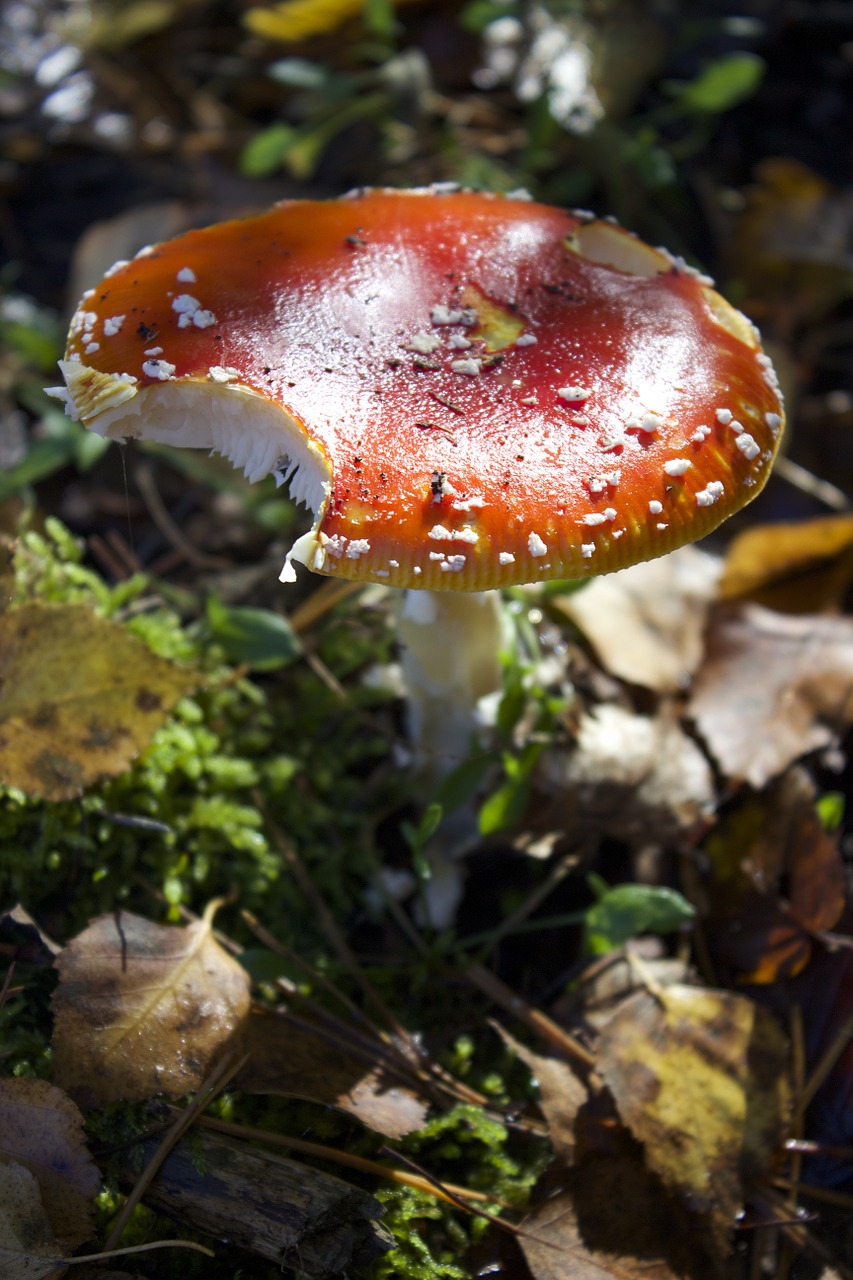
column 184, row 820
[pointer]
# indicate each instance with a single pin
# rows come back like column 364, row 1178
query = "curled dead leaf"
column 561, row 1094
column 143, row 1008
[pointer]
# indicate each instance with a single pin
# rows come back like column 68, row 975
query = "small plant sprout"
column 467, row 391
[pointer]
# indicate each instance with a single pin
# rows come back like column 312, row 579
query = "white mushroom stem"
column 452, row 643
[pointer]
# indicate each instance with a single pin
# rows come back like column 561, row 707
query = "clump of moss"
column 185, row 818
column 465, row 1146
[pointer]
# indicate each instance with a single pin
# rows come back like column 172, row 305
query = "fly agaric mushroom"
column 468, row 391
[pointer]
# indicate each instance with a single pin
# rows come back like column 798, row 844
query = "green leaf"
column 830, row 809
column 41, row 461
column 505, row 807
column 623, row 912
column 417, row 836
column 464, row 782
column 258, row 637
column 477, row 15
column 380, row 19
column 723, row 84
column 264, row 154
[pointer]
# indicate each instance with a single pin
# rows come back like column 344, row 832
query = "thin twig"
column 303, row 878
column 164, row 522
column 533, row 1018
column 336, row 1156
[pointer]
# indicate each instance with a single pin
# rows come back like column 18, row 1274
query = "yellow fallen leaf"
column 801, row 567
column 699, row 1077
column 143, row 1008
column 42, row 1129
column 80, row 697
column 302, row 19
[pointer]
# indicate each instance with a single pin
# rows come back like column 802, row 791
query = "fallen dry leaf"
column 633, row 778
column 79, row 698
column 772, row 689
column 28, row 1248
column 289, row 1058
column 791, row 244
column 646, row 623
column 42, row 1129
column 25, row 941
column 699, row 1077
column 561, row 1094
column 775, row 880
column 805, row 566
column 143, row 1008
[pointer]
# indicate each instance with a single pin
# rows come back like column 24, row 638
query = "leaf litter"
column 79, row 698
column 143, row 1008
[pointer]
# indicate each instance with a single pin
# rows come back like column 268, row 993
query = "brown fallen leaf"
column 24, row 940
column 79, row 698
column 290, row 1058
column 700, row 1079
column 42, row 1129
column 143, row 1008
column 28, row 1248
column 804, row 566
column 633, row 778
column 646, row 623
column 561, row 1094
column 772, row 689
column 775, row 881
column 791, row 244
column 615, row 1227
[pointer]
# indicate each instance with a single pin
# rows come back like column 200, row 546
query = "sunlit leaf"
column 627, row 910
column 80, row 698
column 143, row 1008
column 699, row 1077
column 801, row 566
column 723, row 84
column 259, row 638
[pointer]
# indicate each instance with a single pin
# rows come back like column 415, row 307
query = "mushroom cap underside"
column 468, row 390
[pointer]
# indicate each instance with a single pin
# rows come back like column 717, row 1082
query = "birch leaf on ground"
column 42, row 1129
column 774, row 880
column 143, row 1008
column 557, row 1244
column 80, row 697
column 772, row 689
column 561, row 1094
column 699, row 1077
column 805, row 566
column 293, row 1059
column 645, row 623
column 28, row 1248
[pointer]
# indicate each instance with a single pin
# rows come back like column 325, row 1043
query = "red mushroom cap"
column 469, row 390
